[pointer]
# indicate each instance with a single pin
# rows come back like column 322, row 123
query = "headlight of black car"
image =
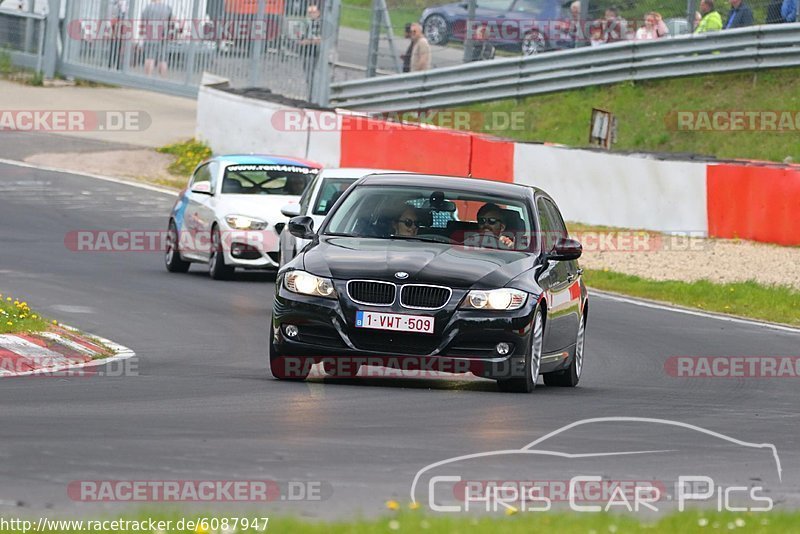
column 495, row 299
column 305, row 283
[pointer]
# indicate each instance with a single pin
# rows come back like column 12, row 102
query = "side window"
column 305, row 200
column 558, row 222
column 547, row 226
column 202, row 174
column 213, row 173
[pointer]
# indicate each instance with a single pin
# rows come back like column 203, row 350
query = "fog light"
column 502, row 349
column 291, row 330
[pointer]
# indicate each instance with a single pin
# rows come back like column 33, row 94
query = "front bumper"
column 251, row 249
column 463, row 340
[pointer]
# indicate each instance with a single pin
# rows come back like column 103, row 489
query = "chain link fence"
column 280, row 45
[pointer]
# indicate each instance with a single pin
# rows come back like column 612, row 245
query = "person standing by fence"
column 156, row 19
column 711, row 21
column 421, row 54
column 740, row 15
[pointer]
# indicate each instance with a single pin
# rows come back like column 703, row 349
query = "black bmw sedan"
column 439, row 273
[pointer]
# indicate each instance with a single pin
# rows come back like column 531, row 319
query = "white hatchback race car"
column 229, row 214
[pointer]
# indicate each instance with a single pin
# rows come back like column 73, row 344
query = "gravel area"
column 716, row 260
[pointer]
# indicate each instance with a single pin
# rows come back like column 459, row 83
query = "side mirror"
column 302, row 227
column 291, row 210
column 203, row 188
column 565, row 249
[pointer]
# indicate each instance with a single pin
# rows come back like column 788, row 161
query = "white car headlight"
column 495, row 299
column 307, row 284
column 243, row 222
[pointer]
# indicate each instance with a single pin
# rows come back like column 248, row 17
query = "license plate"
column 395, row 321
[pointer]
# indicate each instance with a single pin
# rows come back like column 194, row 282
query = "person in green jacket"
column 711, row 21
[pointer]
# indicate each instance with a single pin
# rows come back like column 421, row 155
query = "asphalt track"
column 202, row 404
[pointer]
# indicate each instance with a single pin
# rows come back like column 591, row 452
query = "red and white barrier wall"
column 592, row 187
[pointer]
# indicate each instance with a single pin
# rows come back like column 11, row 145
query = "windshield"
column 425, row 214
column 331, row 190
column 263, row 179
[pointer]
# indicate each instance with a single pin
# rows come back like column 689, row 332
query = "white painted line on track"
column 687, row 311
column 154, row 188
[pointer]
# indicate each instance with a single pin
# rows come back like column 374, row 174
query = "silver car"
column 321, row 195
column 229, row 215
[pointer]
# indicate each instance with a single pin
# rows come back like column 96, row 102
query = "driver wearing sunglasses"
column 407, row 223
column 491, row 221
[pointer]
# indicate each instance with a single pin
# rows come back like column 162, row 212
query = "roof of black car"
column 473, row 185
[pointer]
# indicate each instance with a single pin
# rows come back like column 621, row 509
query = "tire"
column 436, row 30
column 278, row 363
column 533, row 360
column 216, row 261
column 533, row 43
column 569, row 377
column 172, row 255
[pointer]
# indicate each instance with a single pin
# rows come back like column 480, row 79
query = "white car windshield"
column 266, row 179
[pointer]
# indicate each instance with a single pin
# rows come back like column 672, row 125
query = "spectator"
column 774, row 12
column 697, row 18
column 661, row 26
column 156, row 19
column 312, row 36
column 649, row 31
column 596, row 34
column 615, row 28
column 740, row 15
column 575, row 24
column 482, row 48
column 421, row 54
column 789, row 10
column 118, row 12
column 407, row 56
column 711, row 21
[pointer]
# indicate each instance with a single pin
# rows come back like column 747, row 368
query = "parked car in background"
column 530, row 26
column 316, row 202
column 229, row 214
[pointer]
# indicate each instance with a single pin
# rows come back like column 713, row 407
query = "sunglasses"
column 489, row 220
column 409, row 222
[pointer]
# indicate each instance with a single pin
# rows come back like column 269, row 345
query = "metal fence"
column 754, row 48
column 22, row 35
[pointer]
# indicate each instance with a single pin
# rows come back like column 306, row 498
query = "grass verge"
column 690, row 522
column 646, row 114
column 16, row 317
column 188, row 155
column 745, row 299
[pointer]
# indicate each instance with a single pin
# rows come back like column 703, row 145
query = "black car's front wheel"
column 533, row 360
column 436, row 30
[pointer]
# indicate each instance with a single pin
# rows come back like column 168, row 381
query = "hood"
column 266, row 207
column 347, row 258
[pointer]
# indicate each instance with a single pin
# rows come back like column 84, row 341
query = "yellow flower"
column 55, row 322
column 392, row 505
column 34, row 316
column 9, row 323
column 8, row 299
column 511, row 510
column 413, row 505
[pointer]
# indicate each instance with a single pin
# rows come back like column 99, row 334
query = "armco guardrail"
column 758, row 47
